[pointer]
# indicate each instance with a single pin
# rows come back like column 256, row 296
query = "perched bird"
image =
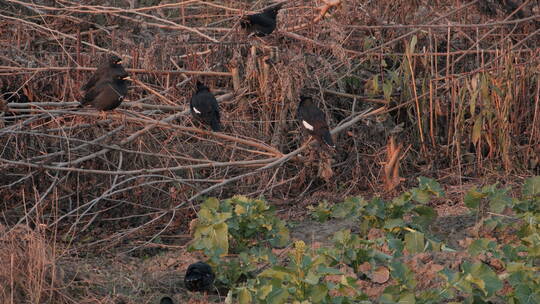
column 263, row 23
column 199, row 277
column 204, row 107
column 110, row 66
column 166, row 300
column 107, row 93
column 314, row 121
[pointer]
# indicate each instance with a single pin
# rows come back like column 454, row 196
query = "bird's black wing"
column 91, row 82
column 312, row 115
column 203, row 102
column 94, row 92
column 262, row 20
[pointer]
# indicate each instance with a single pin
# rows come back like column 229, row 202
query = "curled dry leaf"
column 381, row 275
column 192, row 226
column 391, row 167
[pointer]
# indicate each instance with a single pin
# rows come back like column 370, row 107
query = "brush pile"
column 409, row 88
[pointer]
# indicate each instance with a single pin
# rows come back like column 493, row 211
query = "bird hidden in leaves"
column 314, row 121
column 204, row 107
column 199, row 277
column 110, row 65
column 263, row 23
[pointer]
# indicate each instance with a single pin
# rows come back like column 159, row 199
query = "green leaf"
column 402, row 274
column 278, row 296
column 407, row 298
column 526, row 295
column 531, row 187
column 276, row 273
column 387, row 90
column 317, row 293
column 221, row 237
column 473, row 198
column 312, row 278
column 483, row 277
column 421, row 196
column 211, row 203
column 425, row 215
column 431, row 185
column 479, row 246
column 498, row 200
column 244, row 296
column 414, row 242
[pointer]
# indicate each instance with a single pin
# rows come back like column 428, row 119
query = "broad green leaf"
column 421, row 196
column 221, row 237
column 473, row 198
column 526, row 295
column 387, row 90
column 244, row 296
column 498, row 200
column 407, row 298
column 211, row 203
column 431, row 185
column 483, row 277
column 531, row 187
column 239, row 209
column 425, row 215
column 328, row 270
column 479, row 246
column 278, row 296
column 414, row 242
column 312, row 278
column 275, row 273
column 393, row 223
column 317, row 293
column 402, row 274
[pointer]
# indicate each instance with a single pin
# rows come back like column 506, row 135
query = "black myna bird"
column 109, row 66
column 199, row 277
column 204, row 107
column 314, row 121
column 263, row 23
column 166, row 300
column 107, row 93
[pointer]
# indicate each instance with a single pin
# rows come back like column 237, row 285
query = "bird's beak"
column 119, row 62
column 127, row 78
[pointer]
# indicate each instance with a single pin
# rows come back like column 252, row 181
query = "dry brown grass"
column 28, row 272
column 463, row 102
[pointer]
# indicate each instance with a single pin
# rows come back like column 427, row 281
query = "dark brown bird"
column 204, row 107
column 314, row 121
column 110, row 65
column 199, row 277
column 107, row 93
column 261, row 24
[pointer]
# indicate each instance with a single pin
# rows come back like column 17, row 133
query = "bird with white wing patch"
column 314, row 121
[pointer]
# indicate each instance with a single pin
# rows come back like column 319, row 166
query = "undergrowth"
column 382, row 260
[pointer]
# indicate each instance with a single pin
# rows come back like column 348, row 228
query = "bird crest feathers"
column 201, row 86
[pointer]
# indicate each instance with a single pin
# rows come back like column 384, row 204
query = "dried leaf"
column 381, row 275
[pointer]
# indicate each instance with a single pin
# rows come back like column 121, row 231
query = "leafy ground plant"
column 377, row 260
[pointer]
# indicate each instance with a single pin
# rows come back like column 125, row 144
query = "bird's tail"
column 216, row 126
column 245, row 23
column 327, row 138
